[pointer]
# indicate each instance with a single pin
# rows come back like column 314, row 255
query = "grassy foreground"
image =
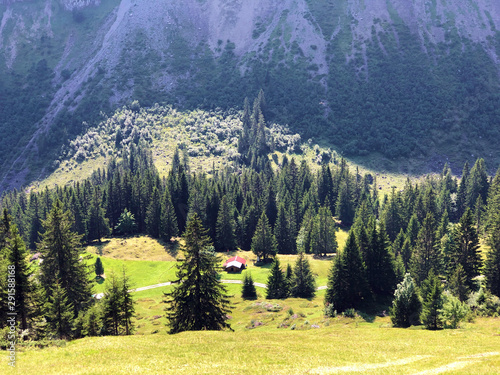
column 345, row 346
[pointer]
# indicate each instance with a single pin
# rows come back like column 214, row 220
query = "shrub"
column 454, row 311
column 406, row 305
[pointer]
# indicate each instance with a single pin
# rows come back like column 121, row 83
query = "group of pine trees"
column 54, row 301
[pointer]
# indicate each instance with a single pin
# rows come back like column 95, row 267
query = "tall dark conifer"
column 199, row 301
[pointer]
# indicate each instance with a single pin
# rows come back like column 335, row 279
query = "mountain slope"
column 407, row 79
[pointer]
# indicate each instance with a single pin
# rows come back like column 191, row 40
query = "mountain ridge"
column 102, row 54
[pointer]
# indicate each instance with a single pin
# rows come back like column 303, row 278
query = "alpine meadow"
column 249, row 187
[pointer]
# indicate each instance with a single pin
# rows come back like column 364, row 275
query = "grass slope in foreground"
column 345, row 346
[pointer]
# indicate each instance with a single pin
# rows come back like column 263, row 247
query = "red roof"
column 237, row 259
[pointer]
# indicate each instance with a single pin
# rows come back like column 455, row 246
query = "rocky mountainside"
column 400, row 78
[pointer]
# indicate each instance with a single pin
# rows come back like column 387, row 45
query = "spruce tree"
column 432, row 303
column 458, row 284
column 168, row 220
column 283, row 232
column 426, row 255
column 99, row 269
column 492, row 264
column 248, row 290
column 406, row 306
column 466, row 248
column 347, row 285
column 199, row 300
column 153, row 214
column 98, row 224
column 263, row 240
column 225, row 226
column 112, row 306
column 323, row 239
column 61, row 250
column 303, row 284
column 20, row 271
column 60, row 313
column 277, row 287
column 127, row 304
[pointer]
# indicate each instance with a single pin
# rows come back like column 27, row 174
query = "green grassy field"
column 340, row 345
column 289, row 336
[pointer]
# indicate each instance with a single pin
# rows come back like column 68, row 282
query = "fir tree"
column 277, row 287
column 60, row 313
column 458, row 283
column 19, row 271
column 61, row 250
column 127, row 304
column 97, row 225
column 323, row 239
column 111, row 306
column 406, row 305
column 492, row 264
column 225, row 226
column 126, row 223
column 283, row 232
column 153, row 215
column 168, row 220
column 248, row 290
column 303, row 284
column 347, row 283
column 263, row 240
column 427, row 255
column 432, row 302
column 199, row 300
column 466, row 250
column 99, row 269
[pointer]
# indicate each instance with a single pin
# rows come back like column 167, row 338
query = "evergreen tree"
column 323, row 240
column 283, row 232
column 263, row 240
column 345, row 207
column 458, row 284
column 127, row 304
column 168, row 220
column 466, row 250
column 111, row 306
column 61, row 250
column 392, row 216
column 303, row 284
column 98, row 224
column 99, row 269
column 153, row 215
column 492, row 264
column 426, row 256
column 225, row 227
column 406, row 305
column 20, row 272
column 347, row 283
column 199, row 300
column 277, row 287
column 126, row 223
column 60, row 313
column 248, row 290
column 380, row 264
column 432, row 303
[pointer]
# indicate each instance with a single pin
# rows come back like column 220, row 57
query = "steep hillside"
column 403, row 79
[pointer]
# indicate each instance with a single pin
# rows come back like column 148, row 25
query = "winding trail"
column 154, row 286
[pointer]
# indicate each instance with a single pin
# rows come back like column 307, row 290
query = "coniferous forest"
column 416, row 251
